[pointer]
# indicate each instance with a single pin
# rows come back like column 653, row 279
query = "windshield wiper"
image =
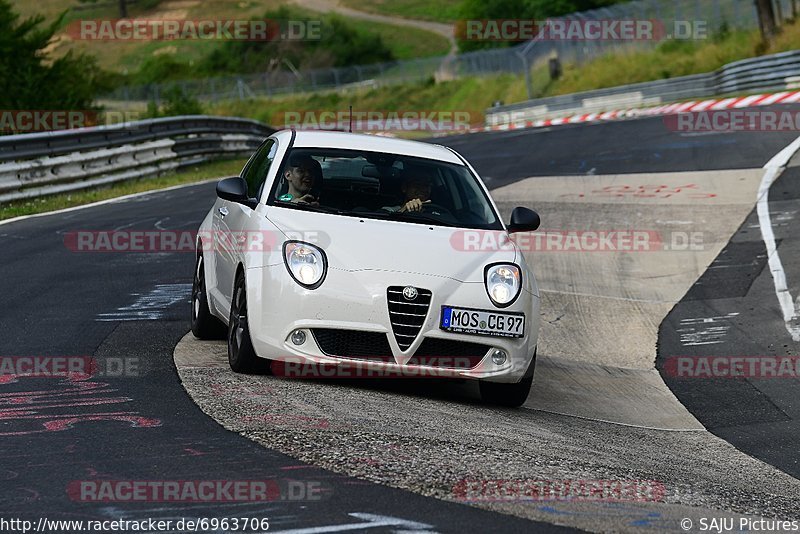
column 416, row 216
column 310, row 207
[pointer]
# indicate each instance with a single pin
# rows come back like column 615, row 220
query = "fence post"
column 267, row 86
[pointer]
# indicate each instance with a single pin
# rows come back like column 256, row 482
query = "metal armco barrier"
column 33, row 165
column 767, row 73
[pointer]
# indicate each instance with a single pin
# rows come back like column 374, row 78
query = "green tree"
column 29, row 79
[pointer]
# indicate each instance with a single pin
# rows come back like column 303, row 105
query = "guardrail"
column 34, row 165
column 767, row 73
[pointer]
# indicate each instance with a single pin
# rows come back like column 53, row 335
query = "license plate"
column 482, row 322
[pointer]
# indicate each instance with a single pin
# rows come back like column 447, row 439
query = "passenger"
column 416, row 190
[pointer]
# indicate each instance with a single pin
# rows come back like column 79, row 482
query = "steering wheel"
column 430, row 206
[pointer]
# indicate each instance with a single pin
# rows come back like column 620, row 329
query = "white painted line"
column 609, row 422
column 772, row 170
column 372, row 521
column 107, row 201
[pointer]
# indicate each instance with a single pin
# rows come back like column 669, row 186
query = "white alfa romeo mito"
column 338, row 249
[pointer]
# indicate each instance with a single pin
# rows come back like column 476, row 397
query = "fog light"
column 499, row 356
column 298, row 337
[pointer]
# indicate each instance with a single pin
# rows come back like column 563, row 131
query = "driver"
column 301, row 174
column 416, row 190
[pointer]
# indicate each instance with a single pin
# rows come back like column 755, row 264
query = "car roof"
column 374, row 143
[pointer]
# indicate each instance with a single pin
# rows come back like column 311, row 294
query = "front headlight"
column 503, row 283
column 306, row 263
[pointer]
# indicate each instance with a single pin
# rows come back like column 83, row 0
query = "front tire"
column 241, row 354
column 204, row 324
column 509, row 395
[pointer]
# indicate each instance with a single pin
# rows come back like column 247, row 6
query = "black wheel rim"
column 198, row 289
column 238, row 325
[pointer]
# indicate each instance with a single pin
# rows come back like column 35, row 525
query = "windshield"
column 384, row 186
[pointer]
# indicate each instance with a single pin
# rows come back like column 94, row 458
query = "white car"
column 336, row 248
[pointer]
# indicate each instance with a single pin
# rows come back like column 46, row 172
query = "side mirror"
column 233, row 189
column 523, row 220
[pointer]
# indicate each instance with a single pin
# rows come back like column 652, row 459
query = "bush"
column 341, row 45
column 158, row 69
column 31, row 80
column 176, row 102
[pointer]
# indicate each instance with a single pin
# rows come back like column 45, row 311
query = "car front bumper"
column 357, row 301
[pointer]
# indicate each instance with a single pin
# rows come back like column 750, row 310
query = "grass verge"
column 197, row 173
column 471, row 95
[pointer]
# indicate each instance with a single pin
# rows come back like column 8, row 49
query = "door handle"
column 223, row 211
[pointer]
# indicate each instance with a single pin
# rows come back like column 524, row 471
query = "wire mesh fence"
column 710, row 15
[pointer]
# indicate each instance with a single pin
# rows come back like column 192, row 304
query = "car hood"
column 353, row 244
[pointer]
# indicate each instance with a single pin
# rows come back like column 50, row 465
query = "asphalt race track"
column 60, row 303
column 387, row 456
column 736, row 297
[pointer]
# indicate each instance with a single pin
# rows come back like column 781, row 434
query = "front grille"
column 355, row 344
column 407, row 316
column 436, row 352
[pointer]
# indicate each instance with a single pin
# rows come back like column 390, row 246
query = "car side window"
column 256, row 173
